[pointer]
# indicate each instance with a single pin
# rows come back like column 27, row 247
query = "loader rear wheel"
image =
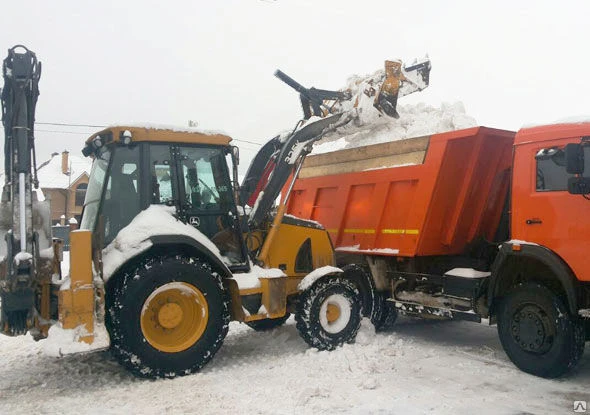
column 385, row 316
column 329, row 313
column 538, row 333
column 268, row 323
column 167, row 316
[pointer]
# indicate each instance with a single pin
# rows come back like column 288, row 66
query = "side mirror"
column 235, row 153
column 578, row 185
column 574, row 159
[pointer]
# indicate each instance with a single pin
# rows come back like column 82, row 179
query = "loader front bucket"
column 399, row 81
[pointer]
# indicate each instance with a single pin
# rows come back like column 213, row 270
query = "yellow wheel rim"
column 332, row 313
column 174, row 317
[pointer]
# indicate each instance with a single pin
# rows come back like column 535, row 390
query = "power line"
column 64, row 132
column 64, row 124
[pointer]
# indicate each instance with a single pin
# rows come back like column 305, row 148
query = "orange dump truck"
column 472, row 224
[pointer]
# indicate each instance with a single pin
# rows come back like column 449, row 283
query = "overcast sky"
column 510, row 62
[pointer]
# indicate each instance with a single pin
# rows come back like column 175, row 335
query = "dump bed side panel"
column 456, row 193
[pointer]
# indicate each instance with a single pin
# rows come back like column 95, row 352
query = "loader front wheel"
column 329, row 313
column 167, row 316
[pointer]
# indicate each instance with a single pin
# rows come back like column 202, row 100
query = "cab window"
column 551, row 173
column 161, row 175
column 121, row 201
column 206, row 182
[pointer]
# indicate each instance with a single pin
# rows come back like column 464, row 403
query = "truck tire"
column 268, row 323
column 385, row 316
column 329, row 313
column 538, row 333
column 167, row 316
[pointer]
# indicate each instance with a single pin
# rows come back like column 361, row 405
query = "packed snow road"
column 422, row 367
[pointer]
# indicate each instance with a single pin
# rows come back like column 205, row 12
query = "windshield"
column 94, row 192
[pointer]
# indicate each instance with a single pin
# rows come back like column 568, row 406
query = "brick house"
column 64, row 181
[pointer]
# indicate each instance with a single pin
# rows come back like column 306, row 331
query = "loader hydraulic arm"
column 312, row 99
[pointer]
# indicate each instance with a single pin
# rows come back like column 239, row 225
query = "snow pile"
column 369, row 126
column 62, row 341
column 432, row 367
column 316, row 275
column 134, row 238
column 170, row 127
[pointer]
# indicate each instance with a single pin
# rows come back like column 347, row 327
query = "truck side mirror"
column 578, row 185
column 574, row 156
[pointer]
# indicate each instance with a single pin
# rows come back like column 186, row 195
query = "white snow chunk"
column 134, row 238
column 374, row 251
column 519, row 242
column 467, row 273
column 22, row 256
column 316, row 275
column 62, row 341
column 247, row 280
column 262, row 310
column 175, row 128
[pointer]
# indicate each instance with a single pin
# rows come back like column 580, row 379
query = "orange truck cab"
column 477, row 224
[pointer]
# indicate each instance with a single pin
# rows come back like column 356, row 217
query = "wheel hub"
column 174, row 317
column 170, row 315
column 332, row 312
column 335, row 313
column 531, row 329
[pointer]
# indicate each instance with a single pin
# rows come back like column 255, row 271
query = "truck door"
column 206, row 197
column 543, row 211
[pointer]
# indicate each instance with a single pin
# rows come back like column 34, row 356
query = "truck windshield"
column 95, row 186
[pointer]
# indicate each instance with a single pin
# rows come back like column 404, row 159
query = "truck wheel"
column 329, row 313
column 268, row 323
column 167, row 317
column 386, row 316
column 538, row 333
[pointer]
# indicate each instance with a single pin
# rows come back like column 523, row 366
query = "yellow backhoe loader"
column 170, row 249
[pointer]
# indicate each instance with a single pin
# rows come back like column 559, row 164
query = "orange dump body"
column 453, row 192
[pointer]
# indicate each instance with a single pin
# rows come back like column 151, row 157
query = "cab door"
column 543, row 211
column 206, row 198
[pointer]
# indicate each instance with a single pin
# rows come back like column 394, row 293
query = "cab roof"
column 547, row 132
column 161, row 134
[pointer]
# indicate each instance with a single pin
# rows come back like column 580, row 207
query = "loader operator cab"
column 134, row 168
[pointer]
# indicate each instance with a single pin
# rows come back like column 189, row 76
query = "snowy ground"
column 422, row 367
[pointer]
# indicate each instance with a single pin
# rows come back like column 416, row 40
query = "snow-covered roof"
column 51, row 176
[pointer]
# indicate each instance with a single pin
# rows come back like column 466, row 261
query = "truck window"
column 551, row 174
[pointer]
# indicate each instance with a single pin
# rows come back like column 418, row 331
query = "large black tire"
column 145, row 338
column 385, row 314
column 538, row 333
column 329, row 313
column 268, row 323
